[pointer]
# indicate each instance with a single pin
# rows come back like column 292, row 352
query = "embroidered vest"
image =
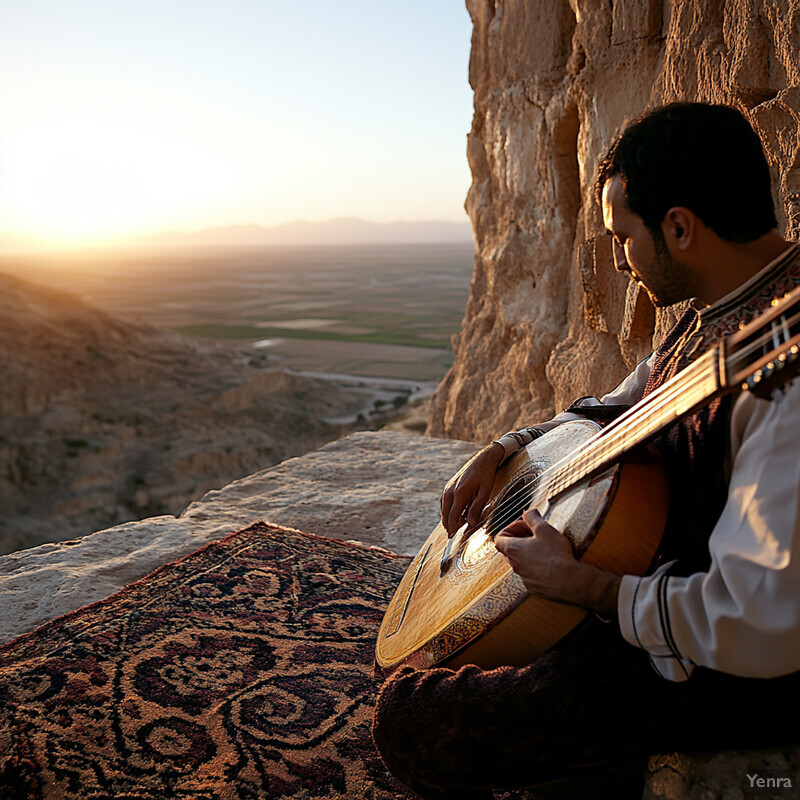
column 696, row 449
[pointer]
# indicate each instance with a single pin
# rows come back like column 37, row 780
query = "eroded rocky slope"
column 103, row 421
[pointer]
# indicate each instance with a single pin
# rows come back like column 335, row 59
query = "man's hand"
column 543, row 558
column 466, row 493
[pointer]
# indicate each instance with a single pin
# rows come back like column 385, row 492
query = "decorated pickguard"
column 494, row 605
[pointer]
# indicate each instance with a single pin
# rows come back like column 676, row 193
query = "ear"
column 679, row 227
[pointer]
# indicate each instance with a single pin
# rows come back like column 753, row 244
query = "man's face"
column 636, row 251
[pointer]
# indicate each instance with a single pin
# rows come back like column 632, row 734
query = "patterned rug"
column 241, row 671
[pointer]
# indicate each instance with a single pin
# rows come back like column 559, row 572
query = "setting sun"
column 124, row 121
column 105, row 176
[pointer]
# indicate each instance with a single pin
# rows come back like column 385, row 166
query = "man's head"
column 703, row 157
column 683, row 169
column 643, row 253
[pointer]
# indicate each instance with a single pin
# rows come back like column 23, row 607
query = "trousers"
column 591, row 703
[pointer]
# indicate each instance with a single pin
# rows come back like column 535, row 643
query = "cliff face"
column 548, row 320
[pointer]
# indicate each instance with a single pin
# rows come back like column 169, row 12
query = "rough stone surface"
column 547, row 319
column 380, row 488
column 707, row 776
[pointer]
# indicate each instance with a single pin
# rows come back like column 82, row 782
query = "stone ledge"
column 706, row 776
column 380, row 488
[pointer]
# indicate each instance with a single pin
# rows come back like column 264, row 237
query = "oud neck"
column 689, row 389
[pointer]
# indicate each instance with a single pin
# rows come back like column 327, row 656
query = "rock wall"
column 547, row 319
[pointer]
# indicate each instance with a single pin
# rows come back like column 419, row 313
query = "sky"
column 128, row 117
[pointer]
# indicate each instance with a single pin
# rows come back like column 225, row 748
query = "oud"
column 460, row 602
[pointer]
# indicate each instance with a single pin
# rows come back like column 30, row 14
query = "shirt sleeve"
column 631, row 389
column 743, row 615
column 628, row 392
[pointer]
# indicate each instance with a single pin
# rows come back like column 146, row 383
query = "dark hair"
column 706, row 158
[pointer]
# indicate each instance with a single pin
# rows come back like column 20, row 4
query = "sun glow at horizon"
column 103, row 178
column 124, row 123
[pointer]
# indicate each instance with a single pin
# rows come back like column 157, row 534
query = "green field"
column 301, row 305
column 389, row 335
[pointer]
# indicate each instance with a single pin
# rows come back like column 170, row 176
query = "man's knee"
column 415, row 733
column 412, row 716
column 394, row 723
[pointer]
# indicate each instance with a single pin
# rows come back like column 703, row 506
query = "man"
column 686, row 197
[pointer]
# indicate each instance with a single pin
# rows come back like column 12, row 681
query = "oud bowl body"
column 477, row 611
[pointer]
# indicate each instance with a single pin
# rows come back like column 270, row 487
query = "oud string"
column 621, row 427
column 618, row 429
column 682, row 383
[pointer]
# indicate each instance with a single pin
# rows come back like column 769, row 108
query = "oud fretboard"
column 689, row 389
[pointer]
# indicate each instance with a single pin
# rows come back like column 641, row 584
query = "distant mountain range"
column 332, row 231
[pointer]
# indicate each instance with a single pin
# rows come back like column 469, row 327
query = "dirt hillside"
column 103, row 421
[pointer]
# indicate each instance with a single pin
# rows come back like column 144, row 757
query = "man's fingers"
column 455, row 513
column 532, row 517
column 447, row 504
column 508, row 543
column 465, row 496
column 537, row 524
column 500, row 541
column 477, row 506
column 516, row 530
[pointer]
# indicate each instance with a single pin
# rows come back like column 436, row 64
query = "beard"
column 671, row 280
